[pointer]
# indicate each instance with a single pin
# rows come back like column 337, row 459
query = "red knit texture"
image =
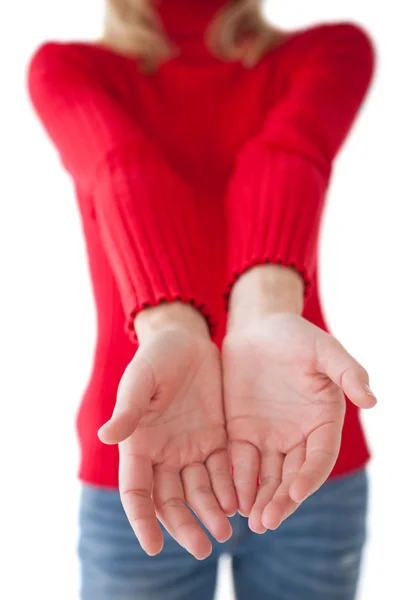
column 187, row 178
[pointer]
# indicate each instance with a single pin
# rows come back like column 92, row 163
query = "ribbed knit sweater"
column 188, row 177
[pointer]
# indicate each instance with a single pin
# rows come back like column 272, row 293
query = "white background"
column 47, row 313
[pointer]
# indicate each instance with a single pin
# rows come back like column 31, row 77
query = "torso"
column 202, row 144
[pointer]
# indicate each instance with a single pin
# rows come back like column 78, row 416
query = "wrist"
column 265, row 290
column 170, row 316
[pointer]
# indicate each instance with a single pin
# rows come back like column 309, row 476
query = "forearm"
column 169, row 316
column 263, row 290
column 113, row 161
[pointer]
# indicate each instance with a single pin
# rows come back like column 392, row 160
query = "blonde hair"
column 238, row 32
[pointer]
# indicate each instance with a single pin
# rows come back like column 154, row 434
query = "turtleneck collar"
column 185, row 21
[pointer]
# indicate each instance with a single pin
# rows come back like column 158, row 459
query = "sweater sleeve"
column 275, row 196
column 145, row 212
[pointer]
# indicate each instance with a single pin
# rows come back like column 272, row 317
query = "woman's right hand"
column 169, row 423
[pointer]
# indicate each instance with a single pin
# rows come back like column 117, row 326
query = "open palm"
column 284, row 380
column 169, row 424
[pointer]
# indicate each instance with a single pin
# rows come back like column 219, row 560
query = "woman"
column 200, row 140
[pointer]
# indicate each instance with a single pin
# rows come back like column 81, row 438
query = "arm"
column 284, row 378
column 264, row 290
column 168, row 418
column 145, row 213
column 276, row 194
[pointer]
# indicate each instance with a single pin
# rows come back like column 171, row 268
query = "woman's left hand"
column 284, row 386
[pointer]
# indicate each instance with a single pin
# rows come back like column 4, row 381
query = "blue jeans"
column 314, row 555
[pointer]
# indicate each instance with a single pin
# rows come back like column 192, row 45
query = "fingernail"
column 369, row 391
column 252, row 528
column 261, row 532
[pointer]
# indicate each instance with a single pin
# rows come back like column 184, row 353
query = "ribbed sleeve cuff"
column 274, row 205
column 136, row 307
column 147, row 220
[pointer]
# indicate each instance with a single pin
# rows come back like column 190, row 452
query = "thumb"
column 347, row 373
column 135, row 390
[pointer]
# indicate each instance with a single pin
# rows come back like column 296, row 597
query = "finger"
column 219, row 469
column 170, row 505
column 135, row 391
column 323, row 447
column 282, row 504
column 135, row 483
column 201, row 498
column 346, row 372
column 246, row 464
column 270, row 480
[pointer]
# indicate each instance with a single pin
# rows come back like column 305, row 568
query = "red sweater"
column 188, row 177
